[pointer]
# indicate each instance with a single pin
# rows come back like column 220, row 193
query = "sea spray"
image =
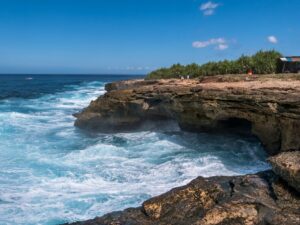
column 52, row 172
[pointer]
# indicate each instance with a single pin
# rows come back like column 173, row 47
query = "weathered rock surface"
column 287, row 166
column 272, row 107
column 241, row 200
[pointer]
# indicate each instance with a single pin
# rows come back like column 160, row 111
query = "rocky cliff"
column 271, row 108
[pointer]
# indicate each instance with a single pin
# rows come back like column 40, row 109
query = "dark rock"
column 245, row 200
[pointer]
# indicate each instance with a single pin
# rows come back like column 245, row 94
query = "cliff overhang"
column 271, row 108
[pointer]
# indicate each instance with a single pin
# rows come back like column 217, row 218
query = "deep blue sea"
column 52, row 172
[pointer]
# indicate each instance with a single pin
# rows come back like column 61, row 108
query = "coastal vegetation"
column 262, row 62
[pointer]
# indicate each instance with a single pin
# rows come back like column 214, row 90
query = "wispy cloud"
column 209, row 8
column 138, row 68
column 219, row 43
column 222, row 47
column 272, row 39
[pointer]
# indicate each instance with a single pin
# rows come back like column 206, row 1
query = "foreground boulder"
column 241, row 200
column 287, row 166
column 270, row 107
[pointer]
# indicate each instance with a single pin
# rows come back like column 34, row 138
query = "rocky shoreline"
column 268, row 108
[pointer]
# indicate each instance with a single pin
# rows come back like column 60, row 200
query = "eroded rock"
column 271, row 107
column 287, row 166
column 244, row 200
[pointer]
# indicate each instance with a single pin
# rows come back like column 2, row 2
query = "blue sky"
column 136, row 36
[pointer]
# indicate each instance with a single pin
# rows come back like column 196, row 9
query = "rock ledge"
column 271, row 107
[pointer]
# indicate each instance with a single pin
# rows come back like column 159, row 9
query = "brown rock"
column 239, row 200
column 287, row 166
column 271, row 109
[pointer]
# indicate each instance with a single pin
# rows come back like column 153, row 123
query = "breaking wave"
column 52, row 172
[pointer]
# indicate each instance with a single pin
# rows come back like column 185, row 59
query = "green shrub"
column 263, row 62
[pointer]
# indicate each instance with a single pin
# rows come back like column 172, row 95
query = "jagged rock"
column 287, row 166
column 271, row 107
column 241, row 200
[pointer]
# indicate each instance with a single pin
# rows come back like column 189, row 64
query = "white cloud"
column 209, row 5
column 272, row 39
column 222, row 47
column 209, row 8
column 220, row 43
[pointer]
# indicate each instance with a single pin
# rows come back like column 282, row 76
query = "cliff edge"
column 271, row 108
column 268, row 108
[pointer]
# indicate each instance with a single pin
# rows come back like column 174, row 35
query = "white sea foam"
column 53, row 173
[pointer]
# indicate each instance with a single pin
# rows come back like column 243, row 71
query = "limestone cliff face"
column 272, row 107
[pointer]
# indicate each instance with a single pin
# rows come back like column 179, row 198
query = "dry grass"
column 281, row 82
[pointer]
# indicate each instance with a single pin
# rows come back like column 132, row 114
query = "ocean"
column 52, row 172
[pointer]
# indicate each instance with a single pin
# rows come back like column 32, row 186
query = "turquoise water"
column 52, row 172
